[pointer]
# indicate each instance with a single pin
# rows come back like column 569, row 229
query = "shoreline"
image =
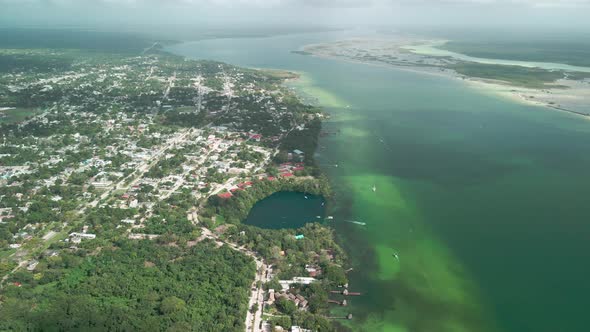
column 527, row 96
column 380, row 263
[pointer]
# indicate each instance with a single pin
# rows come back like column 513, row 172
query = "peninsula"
column 559, row 86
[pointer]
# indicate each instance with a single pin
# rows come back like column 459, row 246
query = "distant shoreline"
column 528, row 96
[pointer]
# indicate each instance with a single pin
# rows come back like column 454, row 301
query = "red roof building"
column 287, row 175
column 271, row 178
column 245, row 184
column 301, row 168
column 225, row 195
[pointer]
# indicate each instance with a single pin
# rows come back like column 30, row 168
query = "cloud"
column 540, row 13
column 306, row 3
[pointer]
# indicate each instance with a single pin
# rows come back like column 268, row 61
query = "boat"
column 357, row 222
column 374, row 188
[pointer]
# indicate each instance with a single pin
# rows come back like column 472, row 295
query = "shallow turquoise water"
column 484, row 200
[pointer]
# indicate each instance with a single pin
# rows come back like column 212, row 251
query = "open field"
column 16, row 114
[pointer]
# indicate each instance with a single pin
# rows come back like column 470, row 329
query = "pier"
column 345, row 293
column 342, row 303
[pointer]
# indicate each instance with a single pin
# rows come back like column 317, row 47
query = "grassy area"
column 219, row 220
column 6, row 253
column 573, row 53
column 59, row 236
column 17, row 114
column 515, row 75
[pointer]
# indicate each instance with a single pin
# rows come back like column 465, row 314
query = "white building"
column 83, row 236
column 297, row 280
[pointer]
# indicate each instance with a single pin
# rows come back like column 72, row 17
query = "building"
column 271, row 297
column 32, row 265
column 78, row 237
column 225, row 195
column 298, row 155
column 296, row 280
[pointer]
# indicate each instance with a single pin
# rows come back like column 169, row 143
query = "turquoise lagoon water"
column 483, row 200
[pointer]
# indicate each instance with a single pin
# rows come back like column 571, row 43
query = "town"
column 157, row 148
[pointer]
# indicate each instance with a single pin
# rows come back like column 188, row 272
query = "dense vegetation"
column 316, row 246
column 305, row 140
column 516, row 75
column 139, row 286
column 289, row 257
column 33, row 62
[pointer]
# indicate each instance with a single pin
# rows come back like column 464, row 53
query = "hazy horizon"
column 236, row 14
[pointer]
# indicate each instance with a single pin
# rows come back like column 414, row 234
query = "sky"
column 527, row 13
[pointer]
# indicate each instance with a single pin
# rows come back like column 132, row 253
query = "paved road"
column 253, row 321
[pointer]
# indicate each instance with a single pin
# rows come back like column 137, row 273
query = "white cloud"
column 307, row 3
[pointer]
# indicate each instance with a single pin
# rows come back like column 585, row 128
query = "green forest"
column 139, row 286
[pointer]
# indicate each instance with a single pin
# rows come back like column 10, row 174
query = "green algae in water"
column 495, row 193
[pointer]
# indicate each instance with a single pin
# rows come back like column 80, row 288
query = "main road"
column 253, row 320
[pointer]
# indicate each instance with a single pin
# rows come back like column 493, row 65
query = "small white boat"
column 374, row 188
column 357, row 222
